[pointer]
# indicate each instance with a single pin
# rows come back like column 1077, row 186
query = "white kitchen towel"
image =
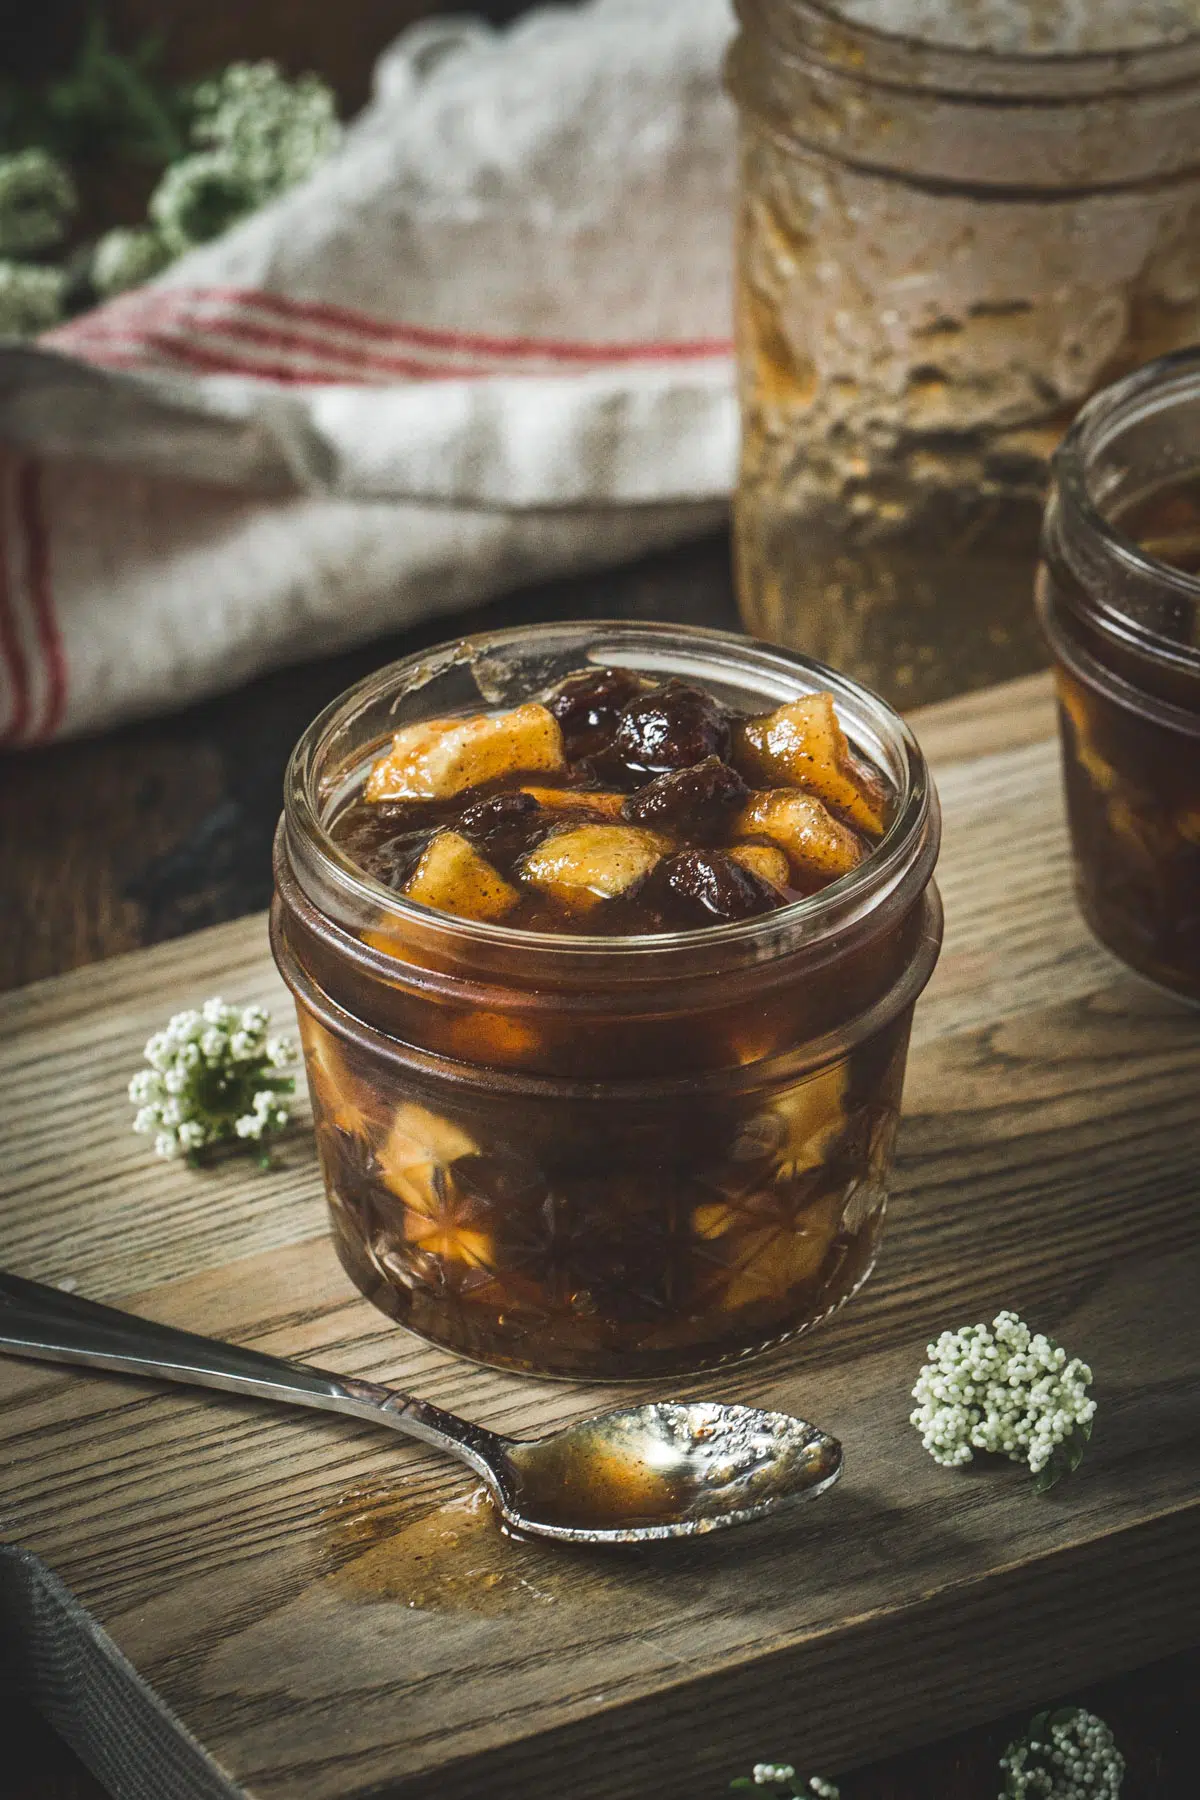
column 487, row 341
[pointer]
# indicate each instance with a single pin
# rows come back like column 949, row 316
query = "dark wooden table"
column 160, row 828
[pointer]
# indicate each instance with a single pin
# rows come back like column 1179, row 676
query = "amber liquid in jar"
column 1132, row 768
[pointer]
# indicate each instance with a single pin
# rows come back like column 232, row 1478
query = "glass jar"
column 941, row 252
column 1124, row 625
column 595, row 1156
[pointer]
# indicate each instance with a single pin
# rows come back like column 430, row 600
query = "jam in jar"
column 605, row 943
column 1119, row 599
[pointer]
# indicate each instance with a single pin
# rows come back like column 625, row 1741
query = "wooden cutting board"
column 212, row 1598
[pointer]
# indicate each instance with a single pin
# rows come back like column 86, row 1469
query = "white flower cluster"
column 125, row 257
column 254, row 134
column 273, row 131
column 1067, row 1755
column 30, row 298
column 1002, row 1390
column 213, row 1077
column 775, row 1774
column 37, row 198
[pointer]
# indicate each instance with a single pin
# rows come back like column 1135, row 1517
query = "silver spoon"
column 655, row 1471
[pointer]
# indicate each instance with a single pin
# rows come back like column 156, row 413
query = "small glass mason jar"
column 595, row 1156
column 1121, row 612
column 942, row 251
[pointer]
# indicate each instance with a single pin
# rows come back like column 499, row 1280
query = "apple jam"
column 605, row 943
column 1119, row 597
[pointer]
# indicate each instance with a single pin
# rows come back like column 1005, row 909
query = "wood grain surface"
column 330, row 1613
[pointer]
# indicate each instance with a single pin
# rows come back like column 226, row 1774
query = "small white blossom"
column 783, row 1775
column 37, row 197
column 213, row 1078
column 124, row 258
column 1067, row 1755
column 1005, row 1391
column 31, row 298
column 197, row 199
column 271, row 131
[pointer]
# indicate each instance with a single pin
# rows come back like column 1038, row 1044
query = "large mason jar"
column 947, row 241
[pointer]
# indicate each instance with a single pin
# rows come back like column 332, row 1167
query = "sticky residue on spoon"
column 664, row 1467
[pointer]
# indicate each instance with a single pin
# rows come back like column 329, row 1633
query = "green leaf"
column 1064, row 1461
column 743, row 1781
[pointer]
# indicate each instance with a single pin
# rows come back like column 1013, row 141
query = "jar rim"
column 1154, row 387
column 907, row 59
column 788, row 928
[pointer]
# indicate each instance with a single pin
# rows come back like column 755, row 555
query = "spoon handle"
column 51, row 1326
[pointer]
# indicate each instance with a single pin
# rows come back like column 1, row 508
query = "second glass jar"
column 1119, row 600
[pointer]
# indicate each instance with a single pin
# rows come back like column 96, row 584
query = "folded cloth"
column 487, row 341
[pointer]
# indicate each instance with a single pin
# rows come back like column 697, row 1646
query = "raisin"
column 672, row 728
column 587, row 707
column 505, row 827
column 700, row 803
column 386, row 841
column 703, row 887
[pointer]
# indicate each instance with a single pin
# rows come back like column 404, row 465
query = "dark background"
column 161, row 828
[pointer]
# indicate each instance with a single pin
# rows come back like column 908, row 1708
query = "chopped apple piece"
column 335, row 1092
column 590, row 863
column 803, row 744
column 437, row 758
column 453, row 878
column 558, row 799
column 418, row 1140
column 813, row 1114
column 765, row 1258
column 1099, row 772
column 805, row 828
column 415, row 1162
column 764, row 860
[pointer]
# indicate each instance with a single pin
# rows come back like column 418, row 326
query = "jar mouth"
column 939, row 64
column 313, row 788
column 1083, row 483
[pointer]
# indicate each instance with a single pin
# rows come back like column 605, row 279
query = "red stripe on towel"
column 37, row 563
column 164, row 305
column 11, row 647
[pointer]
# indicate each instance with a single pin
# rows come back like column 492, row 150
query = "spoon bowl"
column 664, row 1470
column 661, row 1470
